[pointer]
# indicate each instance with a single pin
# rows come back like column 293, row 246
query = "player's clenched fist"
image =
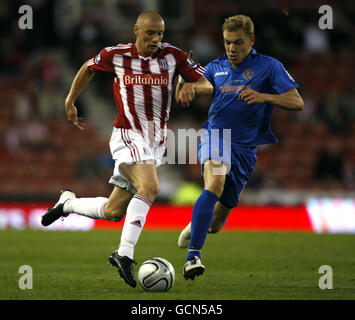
column 186, row 94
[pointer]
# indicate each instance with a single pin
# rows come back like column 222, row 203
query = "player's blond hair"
column 237, row 22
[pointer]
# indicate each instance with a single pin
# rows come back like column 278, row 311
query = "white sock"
column 88, row 207
column 137, row 211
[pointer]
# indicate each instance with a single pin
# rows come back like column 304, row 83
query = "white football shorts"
column 128, row 146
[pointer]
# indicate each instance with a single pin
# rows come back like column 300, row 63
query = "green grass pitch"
column 239, row 265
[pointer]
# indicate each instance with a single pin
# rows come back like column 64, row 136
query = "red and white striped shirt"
column 143, row 86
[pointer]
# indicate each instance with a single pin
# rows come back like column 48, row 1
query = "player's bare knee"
column 216, row 185
column 149, row 189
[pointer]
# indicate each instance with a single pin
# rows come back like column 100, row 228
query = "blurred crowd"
column 41, row 153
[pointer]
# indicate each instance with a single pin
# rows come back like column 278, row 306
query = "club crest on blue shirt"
column 248, row 74
column 163, row 64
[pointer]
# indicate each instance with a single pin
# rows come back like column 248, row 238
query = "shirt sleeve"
column 280, row 79
column 190, row 70
column 209, row 74
column 102, row 61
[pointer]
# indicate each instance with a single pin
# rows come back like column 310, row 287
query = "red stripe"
column 143, row 198
column 164, row 107
column 130, row 93
column 125, row 142
column 121, row 120
column 147, row 90
column 134, row 147
column 257, row 218
column 148, row 105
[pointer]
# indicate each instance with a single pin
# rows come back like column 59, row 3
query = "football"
column 156, row 275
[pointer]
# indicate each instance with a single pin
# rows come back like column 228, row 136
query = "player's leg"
column 117, row 204
column 220, row 216
column 111, row 209
column 221, row 213
column 144, row 178
column 202, row 215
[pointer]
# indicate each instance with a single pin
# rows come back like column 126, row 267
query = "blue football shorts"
column 216, row 144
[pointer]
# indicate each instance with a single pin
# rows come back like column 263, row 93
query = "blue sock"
column 202, row 216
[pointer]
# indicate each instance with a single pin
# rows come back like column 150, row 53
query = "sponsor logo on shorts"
column 146, row 152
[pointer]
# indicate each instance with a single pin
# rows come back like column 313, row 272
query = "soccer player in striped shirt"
column 245, row 85
column 143, row 73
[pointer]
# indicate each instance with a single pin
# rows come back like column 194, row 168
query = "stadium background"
column 305, row 182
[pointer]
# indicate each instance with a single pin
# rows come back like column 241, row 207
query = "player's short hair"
column 150, row 15
column 237, row 22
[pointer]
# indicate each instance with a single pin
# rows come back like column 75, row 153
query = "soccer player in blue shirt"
column 245, row 86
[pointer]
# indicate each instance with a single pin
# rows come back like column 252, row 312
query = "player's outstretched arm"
column 82, row 78
column 187, row 92
column 290, row 100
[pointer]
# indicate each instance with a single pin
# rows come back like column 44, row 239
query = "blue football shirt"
column 250, row 124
